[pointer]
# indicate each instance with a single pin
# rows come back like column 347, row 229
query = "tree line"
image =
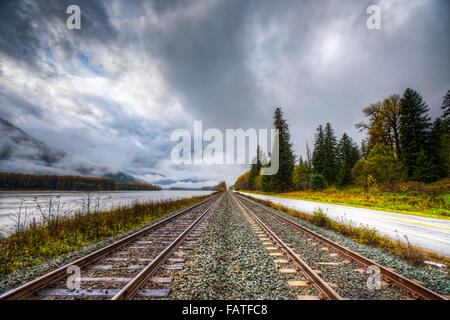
column 221, row 186
column 12, row 181
column 402, row 143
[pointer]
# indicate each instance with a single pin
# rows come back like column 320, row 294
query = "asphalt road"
column 428, row 233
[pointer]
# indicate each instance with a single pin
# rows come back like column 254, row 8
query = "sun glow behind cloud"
column 113, row 92
column 330, row 49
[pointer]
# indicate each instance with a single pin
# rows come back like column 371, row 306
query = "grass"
column 414, row 198
column 364, row 235
column 41, row 241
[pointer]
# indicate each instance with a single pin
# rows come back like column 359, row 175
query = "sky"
column 113, row 92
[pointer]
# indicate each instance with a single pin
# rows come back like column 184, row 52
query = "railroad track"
column 340, row 257
column 138, row 266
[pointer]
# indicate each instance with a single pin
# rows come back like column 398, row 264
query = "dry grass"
column 58, row 236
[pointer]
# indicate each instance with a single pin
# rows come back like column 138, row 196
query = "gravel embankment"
column 436, row 280
column 229, row 262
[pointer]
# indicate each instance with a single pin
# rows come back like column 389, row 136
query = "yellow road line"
column 343, row 209
column 425, row 224
column 402, row 220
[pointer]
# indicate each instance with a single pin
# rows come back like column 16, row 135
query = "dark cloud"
column 207, row 72
column 113, row 91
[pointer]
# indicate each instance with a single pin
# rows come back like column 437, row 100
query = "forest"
column 403, row 151
column 14, row 181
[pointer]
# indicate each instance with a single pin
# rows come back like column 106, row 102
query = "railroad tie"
column 308, row 298
column 287, row 271
column 298, row 283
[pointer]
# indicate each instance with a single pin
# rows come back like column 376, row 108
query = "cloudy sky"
column 113, row 92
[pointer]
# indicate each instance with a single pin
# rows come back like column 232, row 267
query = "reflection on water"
column 42, row 204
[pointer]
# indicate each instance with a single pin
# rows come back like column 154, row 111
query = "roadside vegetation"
column 431, row 200
column 401, row 165
column 30, row 243
column 364, row 235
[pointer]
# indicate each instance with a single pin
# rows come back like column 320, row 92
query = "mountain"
column 22, row 153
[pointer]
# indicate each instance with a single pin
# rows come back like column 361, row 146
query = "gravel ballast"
column 229, row 262
column 434, row 279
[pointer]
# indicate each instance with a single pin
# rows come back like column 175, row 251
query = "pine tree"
column 424, row 170
column 318, row 153
column 330, row 168
column 347, row 154
column 308, row 157
column 446, row 131
column 254, row 170
column 267, row 181
column 282, row 180
column 317, row 182
column 446, row 108
column 436, row 153
column 414, row 127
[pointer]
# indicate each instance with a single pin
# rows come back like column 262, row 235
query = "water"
column 36, row 204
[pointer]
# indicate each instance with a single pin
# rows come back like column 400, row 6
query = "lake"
column 35, row 204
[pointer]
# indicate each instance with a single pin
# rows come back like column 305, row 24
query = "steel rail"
column 400, row 280
column 316, row 280
column 55, row 275
column 132, row 287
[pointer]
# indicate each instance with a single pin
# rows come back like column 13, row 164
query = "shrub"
column 381, row 164
column 317, row 182
column 321, row 219
column 301, row 177
column 369, row 236
column 357, row 173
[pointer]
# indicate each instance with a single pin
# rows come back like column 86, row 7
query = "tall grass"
column 58, row 235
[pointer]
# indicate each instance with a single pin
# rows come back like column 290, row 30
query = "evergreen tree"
column 446, row 107
column 436, row 154
column 347, row 154
column 317, row 182
column 319, row 152
column 282, row 180
column 446, row 131
column 330, row 168
column 254, row 170
column 267, row 181
column 308, row 157
column 414, row 126
column 424, row 170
